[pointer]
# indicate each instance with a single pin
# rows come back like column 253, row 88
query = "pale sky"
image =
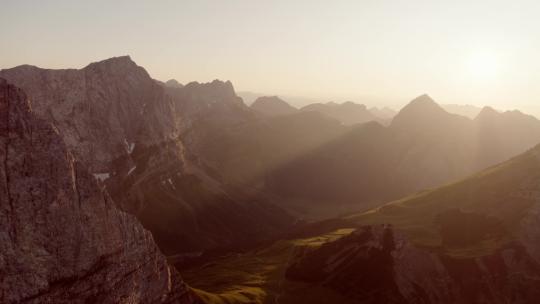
column 486, row 53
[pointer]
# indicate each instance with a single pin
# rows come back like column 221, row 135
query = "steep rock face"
column 222, row 134
column 102, row 111
column 177, row 188
column 152, row 146
column 215, row 103
column 188, row 210
column 61, row 238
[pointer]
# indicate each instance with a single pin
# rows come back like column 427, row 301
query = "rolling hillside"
column 473, row 241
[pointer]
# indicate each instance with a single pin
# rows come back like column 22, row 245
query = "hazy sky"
column 458, row 52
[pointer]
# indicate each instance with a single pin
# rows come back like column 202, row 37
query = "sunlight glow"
column 484, row 65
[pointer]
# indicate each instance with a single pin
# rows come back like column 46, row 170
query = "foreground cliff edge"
column 62, row 240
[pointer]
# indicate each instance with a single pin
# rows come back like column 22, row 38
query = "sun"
column 483, row 65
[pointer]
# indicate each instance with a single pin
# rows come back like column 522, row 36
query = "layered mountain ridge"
column 477, row 238
column 423, row 147
column 159, row 139
column 348, row 113
column 204, row 172
column 473, row 241
column 144, row 142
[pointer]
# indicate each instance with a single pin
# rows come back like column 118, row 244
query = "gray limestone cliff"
column 62, row 240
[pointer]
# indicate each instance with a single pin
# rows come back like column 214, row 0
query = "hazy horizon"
column 458, row 53
column 120, row 186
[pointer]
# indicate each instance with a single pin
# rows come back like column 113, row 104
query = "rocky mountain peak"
column 116, row 61
column 122, row 66
column 487, row 113
column 63, row 240
column 215, row 91
column 424, row 112
column 102, row 110
column 422, row 102
column 270, row 99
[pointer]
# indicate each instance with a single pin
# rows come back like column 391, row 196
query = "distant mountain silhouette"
column 295, row 101
column 173, row 83
column 423, row 147
column 272, row 106
column 317, row 165
column 503, row 134
column 348, row 112
column 469, row 111
column 423, row 114
column 384, row 113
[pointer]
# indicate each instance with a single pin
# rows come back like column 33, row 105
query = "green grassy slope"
column 462, row 220
column 494, row 200
column 259, row 276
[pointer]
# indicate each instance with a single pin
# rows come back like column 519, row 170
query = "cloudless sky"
column 482, row 53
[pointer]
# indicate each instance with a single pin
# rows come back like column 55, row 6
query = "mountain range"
column 471, row 241
column 111, row 176
column 348, row 113
column 126, row 128
column 349, row 167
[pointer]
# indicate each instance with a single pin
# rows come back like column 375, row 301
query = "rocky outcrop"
column 179, row 190
column 102, row 111
column 214, row 103
column 62, row 240
column 153, row 148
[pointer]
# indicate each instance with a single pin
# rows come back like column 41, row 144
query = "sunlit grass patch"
column 258, row 276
